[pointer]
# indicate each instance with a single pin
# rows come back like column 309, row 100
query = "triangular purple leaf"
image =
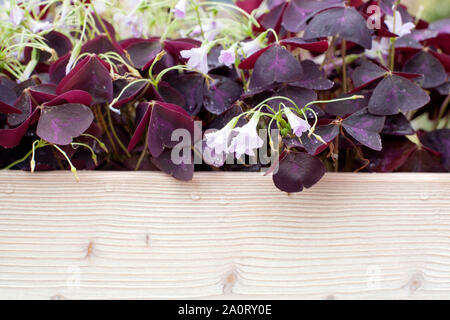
column 221, row 94
column 276, row 65
column 59, row 124
column 345, row 22
column 396, row 94
column 298, row 12
column 426, row 64
column 365, row 128
column 297, row 170
column 89, row 75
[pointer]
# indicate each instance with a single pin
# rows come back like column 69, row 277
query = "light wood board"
column 144, row 235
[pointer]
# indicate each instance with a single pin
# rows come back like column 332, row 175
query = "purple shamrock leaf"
column 221, row 94
column 398, row 125
column 59, row 124
column 312, row 77
column 366, row 74
column 396, row 150
column 311, row 45
column 165, row 118
column 129, row 94
column 297, row 170
column 7, row 98
column 343, row 108
column 143, row 52
column 182, row 171
column 23, row 103
column 431, row 68
column 191, row 86
column 298, row 12
column 276, row 65
column 345, row 22
column 9, row 138
column 439, row 140
column 89, row 75
column 301, row 96
column 396, row 94
column 365, row 128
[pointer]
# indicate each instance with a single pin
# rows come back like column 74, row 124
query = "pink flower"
column 180, row 9
column 297, row 124
column 247, row 138
column 16, row 16
column 227, row 57
column 250, row 47
column 198, row 58
column 218, row 141
column 211, row 30
column 381, row 46
column 38, row 26
column 212, row 158
column 399, row 28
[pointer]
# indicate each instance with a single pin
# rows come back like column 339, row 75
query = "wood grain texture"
column 223, row 235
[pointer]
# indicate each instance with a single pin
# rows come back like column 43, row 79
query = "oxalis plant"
column 293, row 88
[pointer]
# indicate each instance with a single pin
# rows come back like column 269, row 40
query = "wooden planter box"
column 223, row 235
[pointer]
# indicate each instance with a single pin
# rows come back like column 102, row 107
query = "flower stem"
column 111, row 125
column 344, row 64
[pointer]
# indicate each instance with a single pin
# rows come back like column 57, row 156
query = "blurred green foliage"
column 435, row 9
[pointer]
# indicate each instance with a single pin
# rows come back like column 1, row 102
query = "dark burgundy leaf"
column 43, row 92
column 396, row 150
column 422, row 160
column 439, row 140
column 248, row 5
column 249, row 62
column 130, row 93
column 276, row 65
column 184, row 172
column 365, row 128
column 396, row 94
column 101, row 44
column 314, row 146
column 55, row 40
column 272, row 19
column 312, row 77
column 72, row 96
column 367, row 73
column 174, row 47
column 444, row 89
column 343, row 108
column 142, row 53
column 297, row 170
column 223, row 119
column 191, row 86
column 407, row 43
column 89, row 75
column 143, row 111
column 7, row 98
column 397, row 125
column 9, row 138
column 298, row 12
column 170, row 95
column 165, row 118
column 23, row 103
column 57, row 69
column 432, row 70
column 345, row 22
column 301, row 96
column 221, row 94
column 311, row 45
column 59, row 124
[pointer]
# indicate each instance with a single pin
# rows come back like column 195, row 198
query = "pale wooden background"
column 223, row 235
